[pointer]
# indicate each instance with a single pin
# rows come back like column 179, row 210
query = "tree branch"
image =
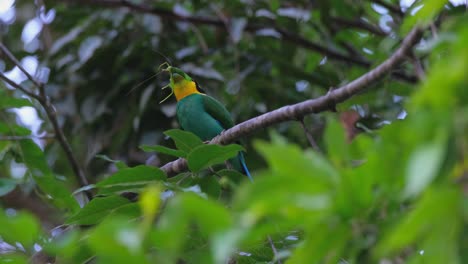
column 309, row 137
column 286, row 35
column 359, row 24
column 52, row 116
column 19, row 87
column 17, row 63
column 331, row 53
column 323, row 103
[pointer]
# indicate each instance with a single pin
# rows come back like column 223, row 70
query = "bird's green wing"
column 218, row 111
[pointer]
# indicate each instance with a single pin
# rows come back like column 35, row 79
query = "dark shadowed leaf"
column 210, row 185
column 6, row 186
column 163, row 150
column 131, row 178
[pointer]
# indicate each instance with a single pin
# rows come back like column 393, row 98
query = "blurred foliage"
column 390, row 185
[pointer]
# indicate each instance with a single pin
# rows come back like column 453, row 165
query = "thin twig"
column 359, row 24
column 201, row 39
column 19, row 87
column 309, row 136
column 434, row 30
column 18, row 64
column 285, row 35
column 418, row 67
column 52, row 115
column 79, row 173
column 293, row 112
column 168, row 14
column 275, row 251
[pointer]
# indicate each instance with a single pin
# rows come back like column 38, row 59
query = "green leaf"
column 131, row 178
column 231, row 175
column 163, row 150
column 21, row 227
column 423, row 166
column 207, row 155
column 210, row 186
column 14, row 258
column 118, row 163
column 289, row 160
column 6, row 186
column 184, row 141
column 182, row 211
column 45, row 179
column 434, row 222
column 66, row 245
column 8, row 101
column 84, row 188
column 14, row 129
column 317, row 246
column 335, row 140
column 149, row 202
column 94, row 212
column 427, row 10
column 116, row 240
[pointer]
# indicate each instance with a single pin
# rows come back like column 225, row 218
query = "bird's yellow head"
column 180, row 83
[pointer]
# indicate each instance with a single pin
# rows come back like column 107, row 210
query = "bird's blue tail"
column 244, row 166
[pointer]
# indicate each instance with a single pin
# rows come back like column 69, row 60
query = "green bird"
column 201, row 114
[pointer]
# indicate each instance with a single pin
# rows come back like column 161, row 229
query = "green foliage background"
column 395, row 193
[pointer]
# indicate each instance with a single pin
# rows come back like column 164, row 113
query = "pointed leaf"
column 8, row 101
column 6, row 186
column 37, row 165
column 163, row 150
column 423, row 166
column 97, row 209
column 13, row 129
column 207, row 155
column 184, row 140
column 116, row 240
column 131, row 178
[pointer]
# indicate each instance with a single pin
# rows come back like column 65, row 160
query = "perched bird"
column 201, row 114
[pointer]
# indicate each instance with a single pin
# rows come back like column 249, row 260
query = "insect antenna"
column 142, row 82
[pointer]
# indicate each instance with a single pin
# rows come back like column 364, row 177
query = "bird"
column 200, row 113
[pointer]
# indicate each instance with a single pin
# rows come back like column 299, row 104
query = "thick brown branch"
column 323, row 103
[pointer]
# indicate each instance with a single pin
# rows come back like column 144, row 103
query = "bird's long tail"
column 244, row 166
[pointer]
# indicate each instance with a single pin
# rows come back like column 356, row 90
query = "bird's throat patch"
column 185, row 88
